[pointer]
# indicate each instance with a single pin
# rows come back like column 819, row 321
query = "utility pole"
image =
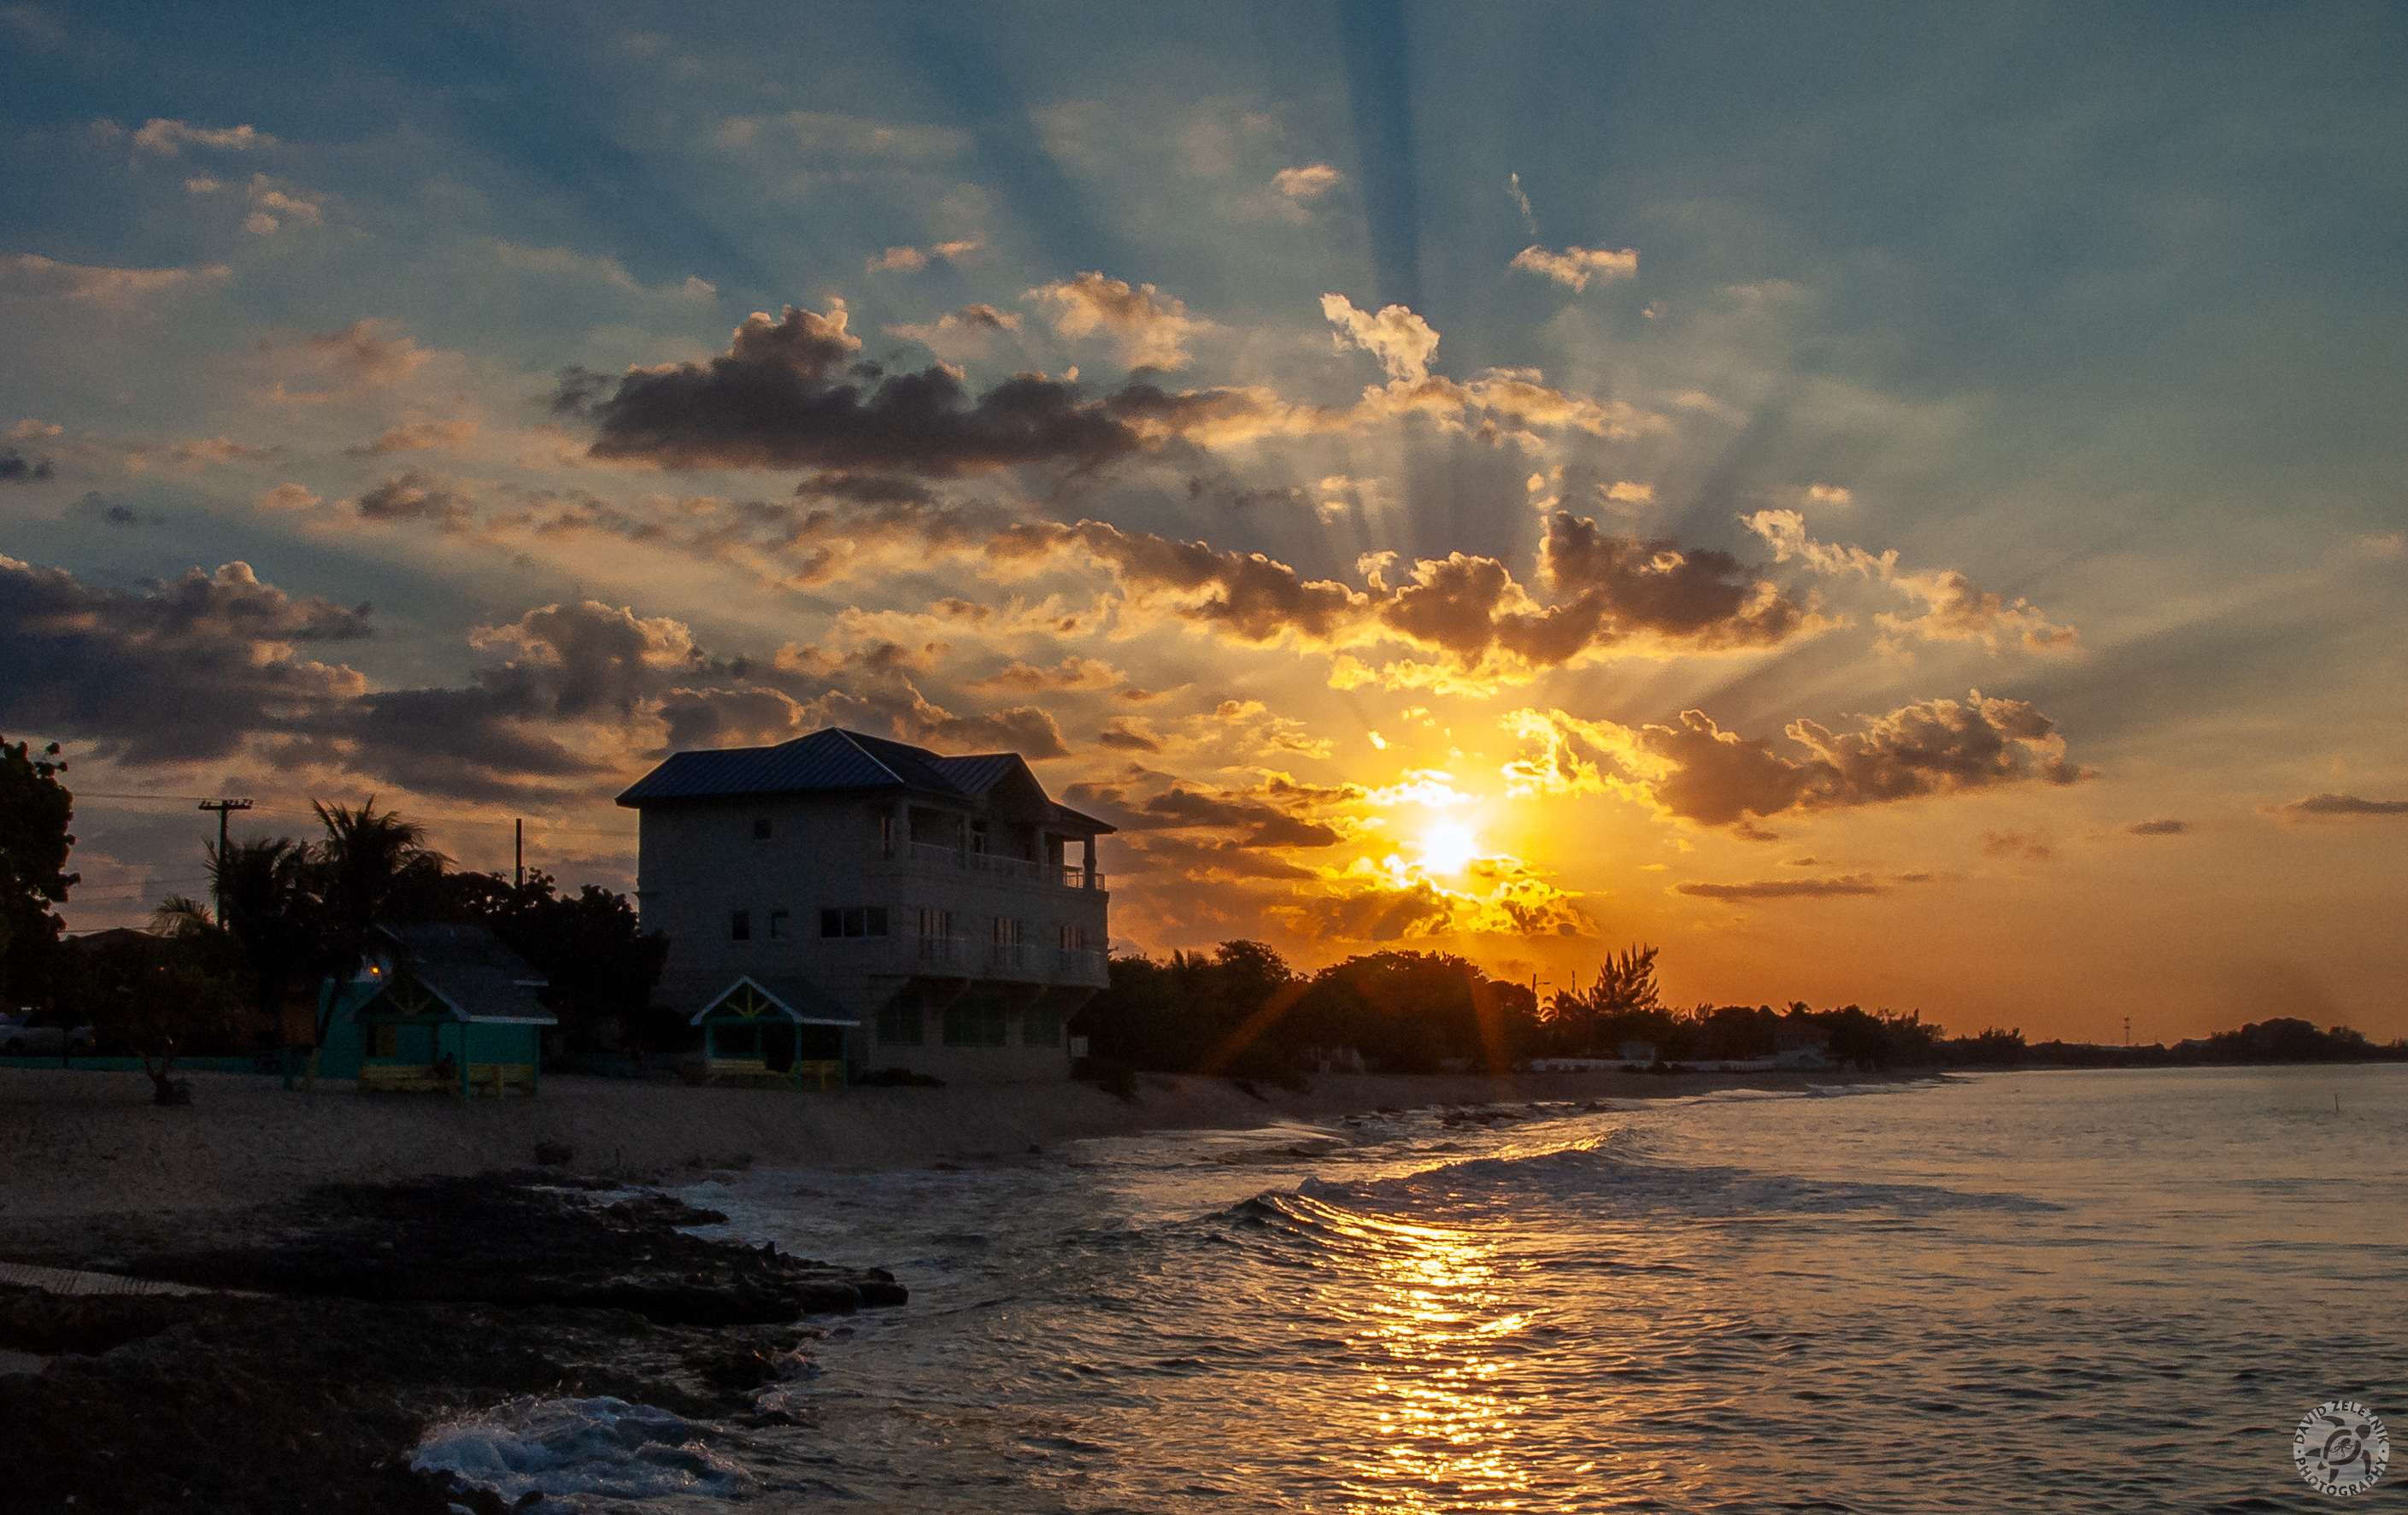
column 518, row 853
column 217, row 875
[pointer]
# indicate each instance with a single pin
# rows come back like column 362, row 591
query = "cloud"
column 418, row 436
column 1402, row 342
column 110, row 288
column 1829, row 494
column 829, row 141
column 170, row 138
column 172, row 671
column 1576, row 267
column 1151, row 332
column 1954, row 609
column 1128, row 733
column 2032, row 846
column 1073, row 673
column 199, row 453
column 568, row 263
column 1310, row 182
column 789, row 394
column 2335, row 805
column 14, row 469
column 416, row 495
column 268, row 202
column 1783, row 889
column 288, row 497
column 2157, row 828
column 911, row 260
column 342, row 365
column 1521, row 199
column 963, row 333
column 30, row 428
column 1623, row 492
column 1699, row 772
column 2389, row 546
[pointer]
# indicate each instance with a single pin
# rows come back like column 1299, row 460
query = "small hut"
column 447, row 1008
column 780, row 1028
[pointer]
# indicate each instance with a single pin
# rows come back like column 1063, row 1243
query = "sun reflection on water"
column 1435, row 1321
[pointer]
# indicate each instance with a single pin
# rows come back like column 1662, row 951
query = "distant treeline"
column 1241, row 1011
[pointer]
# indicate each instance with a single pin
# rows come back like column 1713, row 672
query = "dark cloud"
column 2157, row 828
column 1716, row 778
column 416, row 495
column 1181, row 808
column 172, row 671
column 1783, row 889
column 14, row 469
column 2337, row 805
column 792, row 394
column 1249, row 596
column 1623, row 591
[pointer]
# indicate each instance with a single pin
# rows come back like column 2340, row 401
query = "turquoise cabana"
column 779, row 1028
column 444, row 1008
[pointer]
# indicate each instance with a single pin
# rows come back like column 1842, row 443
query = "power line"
column 276, row 807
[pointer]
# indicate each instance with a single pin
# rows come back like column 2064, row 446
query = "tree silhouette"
column 34, row 811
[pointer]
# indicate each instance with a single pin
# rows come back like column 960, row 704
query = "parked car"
column 19, row 1038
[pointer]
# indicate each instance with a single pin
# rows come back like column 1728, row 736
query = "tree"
column 34, row 811
column 162, row 996
column 271, row 889
column 601, row 963
column 1623, row 1001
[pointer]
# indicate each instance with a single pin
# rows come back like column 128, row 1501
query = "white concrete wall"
column 700, row 862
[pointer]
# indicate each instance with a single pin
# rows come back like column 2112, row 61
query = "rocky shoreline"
column 339, row 1327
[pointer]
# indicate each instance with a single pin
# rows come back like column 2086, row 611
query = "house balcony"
column 936, row 857
column 964, row 957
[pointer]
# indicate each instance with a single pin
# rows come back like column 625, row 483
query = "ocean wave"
column 581, row 1450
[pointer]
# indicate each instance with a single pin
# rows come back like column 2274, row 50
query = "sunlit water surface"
column 2062, row 1290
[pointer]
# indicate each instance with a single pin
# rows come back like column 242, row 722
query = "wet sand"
column 93, row 1145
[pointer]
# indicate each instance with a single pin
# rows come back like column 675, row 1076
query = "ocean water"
column 2115, row 1291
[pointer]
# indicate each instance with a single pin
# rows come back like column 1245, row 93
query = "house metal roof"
column 835, row 760
column 805, row 1003
column 469, row 968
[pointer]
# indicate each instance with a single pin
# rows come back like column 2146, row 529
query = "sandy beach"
column 93, row 1145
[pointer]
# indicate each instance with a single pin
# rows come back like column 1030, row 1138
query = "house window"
column 760, row 828
column 780, row 924
column 974, row 1022
column 739, row 925
column 1041, row 1027
column 388, row 1042
column 1006, row 930
column 855, row 921
column 978, row 837
column 936, row 924
column 899, row 1023
column 1074, row 938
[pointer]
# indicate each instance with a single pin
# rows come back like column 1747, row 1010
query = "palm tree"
column 271, row 889
column 368, row 866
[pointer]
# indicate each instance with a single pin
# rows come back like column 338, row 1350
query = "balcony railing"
column 993, row 864
column 964, row 957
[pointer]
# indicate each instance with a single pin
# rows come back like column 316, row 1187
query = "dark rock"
column 499, row 1241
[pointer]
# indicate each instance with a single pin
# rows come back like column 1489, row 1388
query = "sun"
column 1447, row 847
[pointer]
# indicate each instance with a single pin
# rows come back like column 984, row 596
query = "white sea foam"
column 578, row 1450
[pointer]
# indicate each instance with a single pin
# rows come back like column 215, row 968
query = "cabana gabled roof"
column 835, row 761
column 462, row 969
column 774, row 997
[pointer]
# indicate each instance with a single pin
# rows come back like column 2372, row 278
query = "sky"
column 1890, row 507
